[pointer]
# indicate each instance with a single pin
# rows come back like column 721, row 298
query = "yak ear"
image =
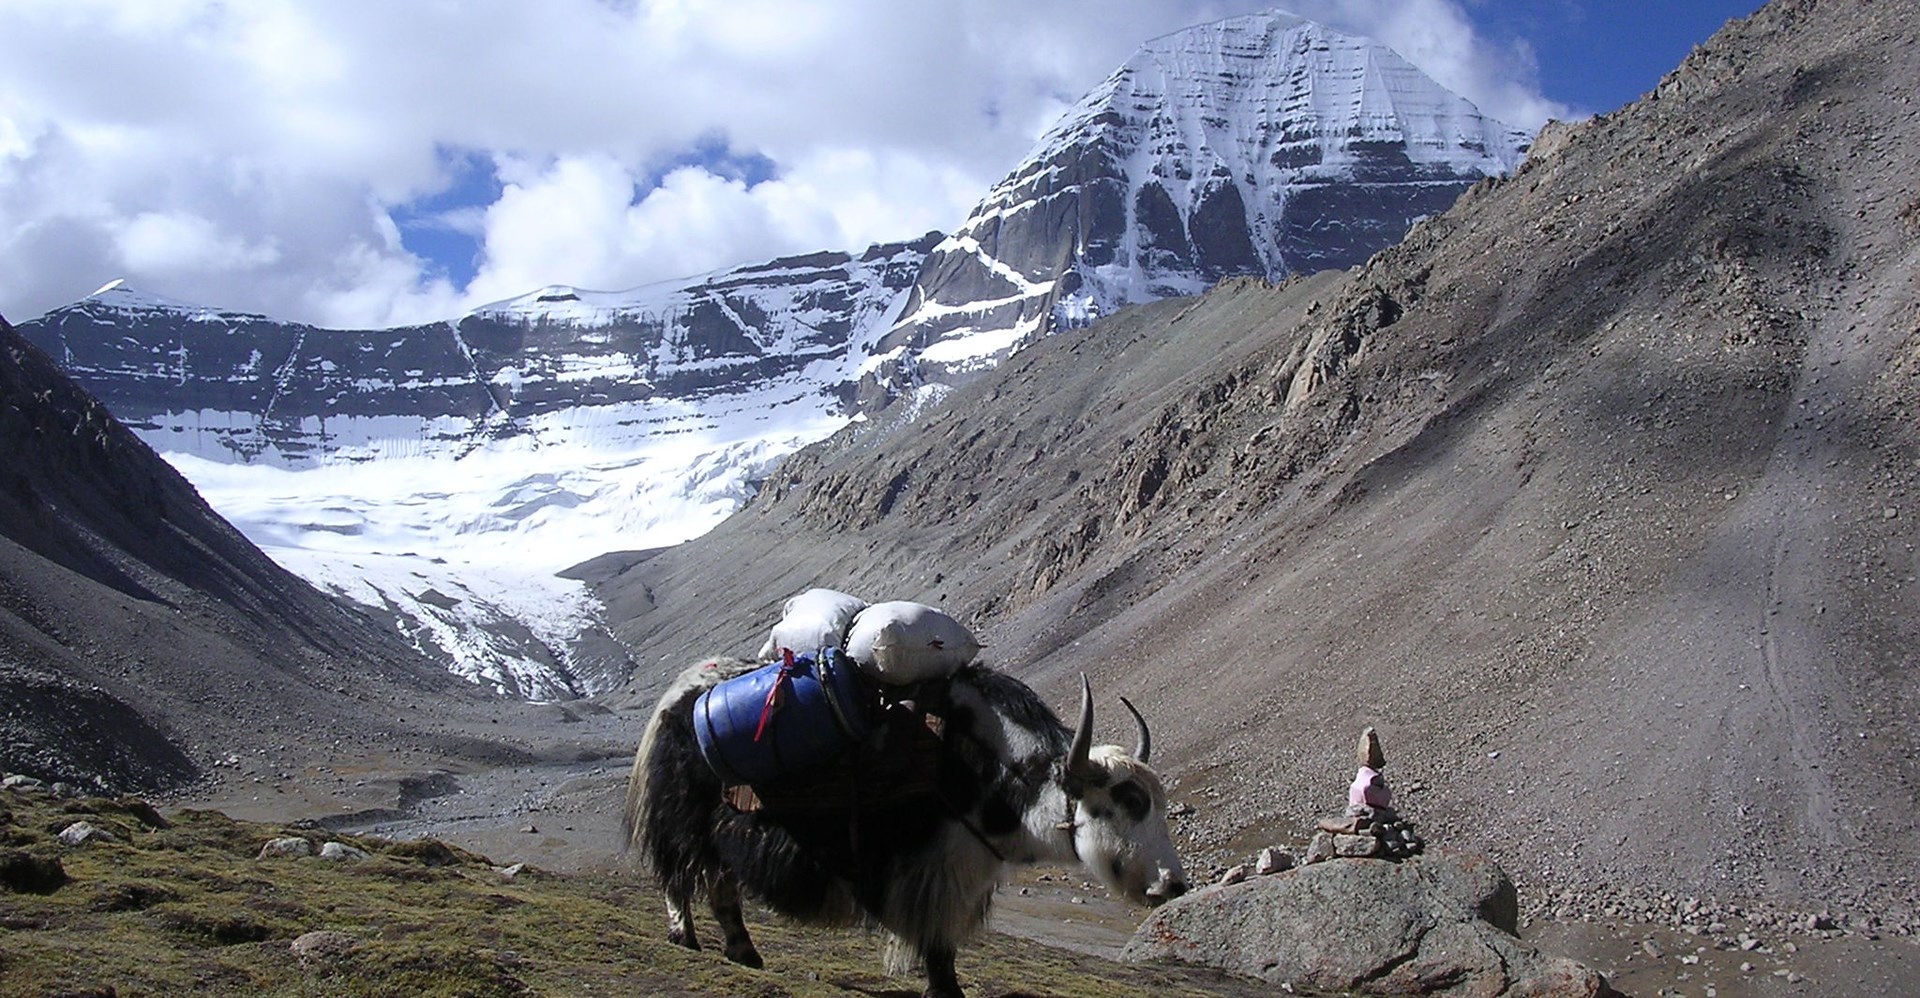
column 1143, row 747
column 1081, row 773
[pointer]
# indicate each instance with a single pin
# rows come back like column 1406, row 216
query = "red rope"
column 784, row 678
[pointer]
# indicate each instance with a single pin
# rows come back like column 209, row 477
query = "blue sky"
column 358, row 162
column 1600, row 56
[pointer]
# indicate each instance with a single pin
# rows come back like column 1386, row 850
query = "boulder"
column 1437, row 924
column 82, row 832
column 323, row 948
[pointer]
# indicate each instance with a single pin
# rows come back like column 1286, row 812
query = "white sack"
column 899, row 643
column 815, row 619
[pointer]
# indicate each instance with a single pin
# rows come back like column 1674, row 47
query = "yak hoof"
column 745, row 956
column 687, row 939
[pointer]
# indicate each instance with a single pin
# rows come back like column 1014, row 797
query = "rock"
column 1355, row 846
column 1234, row 874
column 80, row 833
column 21, row 782
column 1320, row 848
column 1273, row 861
column 323, row 947
column 342, row 852
column 1412, row 928
column 1369, row 754
column 510, row 872
column 291, row 847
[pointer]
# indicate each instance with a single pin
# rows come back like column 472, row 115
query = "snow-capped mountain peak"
column 1263, row 144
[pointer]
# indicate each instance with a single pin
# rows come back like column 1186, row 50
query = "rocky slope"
column 1597, row 495
column 1265, row 144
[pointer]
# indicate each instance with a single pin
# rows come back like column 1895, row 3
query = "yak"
column 1011, row 785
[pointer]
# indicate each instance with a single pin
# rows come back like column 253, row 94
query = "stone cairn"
column 1370, row 827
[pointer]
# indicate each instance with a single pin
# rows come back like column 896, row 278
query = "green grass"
column 181, row 905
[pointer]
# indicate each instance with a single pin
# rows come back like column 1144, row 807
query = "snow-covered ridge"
column 229, row 386
column 117, row 296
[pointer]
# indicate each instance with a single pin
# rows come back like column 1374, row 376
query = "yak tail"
column 678, row 697
column 634, row 818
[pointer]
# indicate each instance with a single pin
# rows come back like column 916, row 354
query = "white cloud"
column 1437, row 36
column 248, row 155
column 575, row 221
column 168, row 242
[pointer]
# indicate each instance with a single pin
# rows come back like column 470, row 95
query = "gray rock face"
column 1261, row 145
column 1440, row 924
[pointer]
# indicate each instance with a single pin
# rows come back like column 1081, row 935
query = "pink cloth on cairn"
column 1369, row 789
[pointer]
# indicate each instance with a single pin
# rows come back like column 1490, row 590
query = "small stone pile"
column 1370, row 827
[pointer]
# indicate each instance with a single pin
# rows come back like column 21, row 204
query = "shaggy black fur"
column 839, row 864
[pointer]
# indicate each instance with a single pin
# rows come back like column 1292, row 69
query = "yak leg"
column 942, row 981
column 680, row 920
column 725, row 899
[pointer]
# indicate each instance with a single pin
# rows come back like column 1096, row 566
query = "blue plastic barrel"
column 820, row 716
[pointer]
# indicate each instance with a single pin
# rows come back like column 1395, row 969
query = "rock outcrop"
column 1437, row 924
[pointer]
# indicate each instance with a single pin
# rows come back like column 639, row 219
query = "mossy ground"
column 182, row 905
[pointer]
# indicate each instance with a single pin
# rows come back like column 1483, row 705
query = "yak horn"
column 1078, row 766
column 1144, row 747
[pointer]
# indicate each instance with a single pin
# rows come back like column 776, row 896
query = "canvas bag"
column 899, row 643
column 812, row 620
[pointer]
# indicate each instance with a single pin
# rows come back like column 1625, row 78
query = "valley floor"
column 565, row 817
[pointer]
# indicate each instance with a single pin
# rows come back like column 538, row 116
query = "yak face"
column 1119, row 829
column 1118, row 812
